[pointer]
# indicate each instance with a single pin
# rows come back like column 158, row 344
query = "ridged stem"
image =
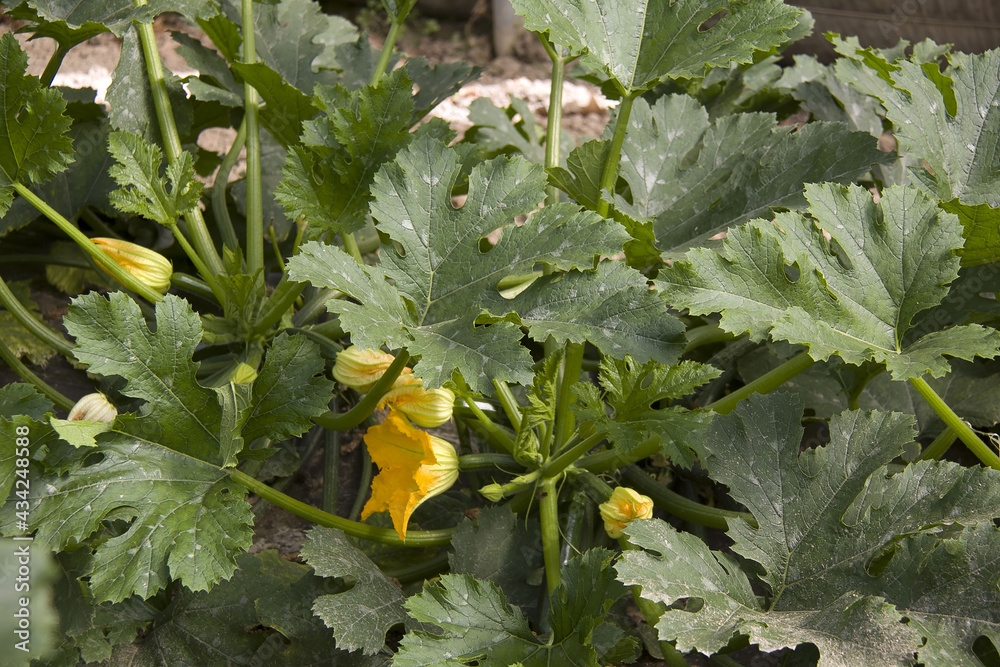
column 220, row 211
column 956, row 424
column 200, row 237
column 251, row 108
column 348, row 420
column 118, row 273
column 414, row 538
column 679, row 506
column 548, row 514
column 766, row 383
column 36, row 328
column 609, row 174
column 25, row 374
column 938, row 446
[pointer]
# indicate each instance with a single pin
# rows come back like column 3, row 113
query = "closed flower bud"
column 624, row 507
column 424, row 407
column 361, row 369
column 149, row 267
column 243, row 374
column 492, row 492
column 93, row 408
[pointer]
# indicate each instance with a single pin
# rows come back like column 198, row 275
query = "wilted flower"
column 93, row 408
column 149, row 267
column 425, row 407
column 623, row 507
column 361, row 369
column 413, row 466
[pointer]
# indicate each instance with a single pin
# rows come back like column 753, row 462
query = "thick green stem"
column 471, row 462
column 281, row 301
column 509, row 403
column 706, row 334
column 553, row 131
column 34, row 326
column 313, row 307
column 765, row 383
column 609, row 174
column 220, row 210
column 956, row 424
column 414, row 538
column 938, row 446
column 387, row 48
column 54, row 63
column 199, row 265
column 567, row 458
column 682, row 507
column 192, row 285
column 548, row 514
column 564, row 422
column 200, row 237
column 121, row 275
column 364, row 481
column 255, row 191
column 351, row 247
column 25, row 374
column 331, row 468
column 357, row 414
column 495, row 434
column 418, row 571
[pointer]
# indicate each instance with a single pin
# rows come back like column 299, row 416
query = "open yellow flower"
column 413, row 466
column 360, row 369
column 625, row 506
column 425, row 407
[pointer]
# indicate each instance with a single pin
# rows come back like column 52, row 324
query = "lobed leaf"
column 33, row 142
column 362, row 615
column 855, row 295
column 445, row 275
column 833, row 523
column 144, row 190
column 641, row 44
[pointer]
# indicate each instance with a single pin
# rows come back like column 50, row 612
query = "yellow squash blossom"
column 624, row 507
column 148, row 267
column 413, row 466
column 360, row 369
column 425, row 407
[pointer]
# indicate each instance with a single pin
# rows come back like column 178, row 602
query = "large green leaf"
column 33, row 141
column 690, row 178
column 477, row 623
column 187, row 518
column 635, row 393
column 328, row 176
column 130, row 95
column 855, row 295
column 826, row 516
column 499, row 547
column 640, row 44
column 361, row 615
column 116, row 15
column 444, row 274
column 112, row 339
column 260, row 616
column 85, row 182
column 948, row 120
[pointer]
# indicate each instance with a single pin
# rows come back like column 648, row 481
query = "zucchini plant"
column 706, row 369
